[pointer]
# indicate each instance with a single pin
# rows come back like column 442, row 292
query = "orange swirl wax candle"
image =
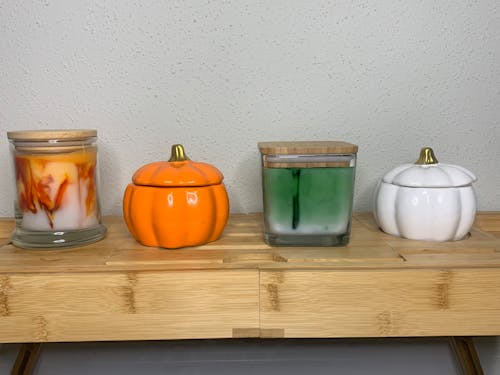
column 56, row 188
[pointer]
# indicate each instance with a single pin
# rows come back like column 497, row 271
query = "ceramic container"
column 176, row 203
column 308, row 192
column 427, row 200
column 56, row 180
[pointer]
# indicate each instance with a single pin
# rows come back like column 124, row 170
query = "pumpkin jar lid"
column 427, row 171
column 178, row 171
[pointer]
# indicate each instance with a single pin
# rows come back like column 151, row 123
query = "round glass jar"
column 56, row 188
column 308, row 190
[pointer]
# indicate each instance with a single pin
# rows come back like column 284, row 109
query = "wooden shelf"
column 377, row 286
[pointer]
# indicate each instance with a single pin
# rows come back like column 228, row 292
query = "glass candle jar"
column 56, row 202
column 308, row 190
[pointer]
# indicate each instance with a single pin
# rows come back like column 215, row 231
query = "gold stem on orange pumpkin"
column 178, row 154
column 427, row 157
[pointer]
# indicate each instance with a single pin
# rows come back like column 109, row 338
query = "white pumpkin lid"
column 428, row 172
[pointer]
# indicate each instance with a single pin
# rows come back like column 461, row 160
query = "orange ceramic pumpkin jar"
column 176, row 203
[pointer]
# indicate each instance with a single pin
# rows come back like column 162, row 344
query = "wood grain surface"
column 377, row 286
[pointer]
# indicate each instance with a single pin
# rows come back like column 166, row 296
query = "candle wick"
column 295, row 199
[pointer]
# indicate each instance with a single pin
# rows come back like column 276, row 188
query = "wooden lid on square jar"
column 308, row 154
column 307, row 148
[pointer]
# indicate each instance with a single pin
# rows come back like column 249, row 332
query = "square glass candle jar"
column 308, row 190
column 56, row 188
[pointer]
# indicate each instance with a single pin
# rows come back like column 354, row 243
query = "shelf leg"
column 466, row 355
column 26, row 359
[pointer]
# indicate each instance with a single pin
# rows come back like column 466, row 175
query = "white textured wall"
column 219, row 76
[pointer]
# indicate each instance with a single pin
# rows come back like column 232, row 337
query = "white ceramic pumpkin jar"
column 427, row 200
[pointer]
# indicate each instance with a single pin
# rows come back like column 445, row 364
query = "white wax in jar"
column 57, row 192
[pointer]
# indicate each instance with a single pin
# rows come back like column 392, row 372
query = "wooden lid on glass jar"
column 48, row 135
column 308, row 154
column 53, row 141
column 307, row 148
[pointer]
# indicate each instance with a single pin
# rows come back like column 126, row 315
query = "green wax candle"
column 308, row 205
